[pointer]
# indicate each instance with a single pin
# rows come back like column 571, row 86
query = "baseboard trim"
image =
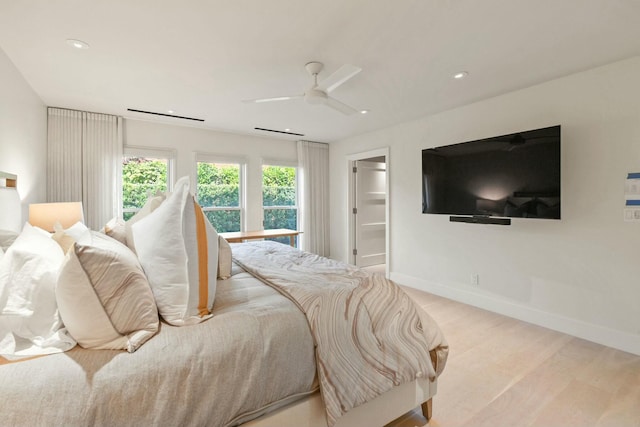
column 591, row 332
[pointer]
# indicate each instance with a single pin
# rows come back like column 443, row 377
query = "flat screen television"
column 516, row 175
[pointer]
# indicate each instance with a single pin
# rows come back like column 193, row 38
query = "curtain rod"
column 82, row 111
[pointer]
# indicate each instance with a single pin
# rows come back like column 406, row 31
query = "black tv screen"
column 516, row 175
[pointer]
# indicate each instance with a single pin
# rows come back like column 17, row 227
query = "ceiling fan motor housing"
column 315, row 96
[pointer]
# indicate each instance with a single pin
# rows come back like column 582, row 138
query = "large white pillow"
column 29, row 320
column 178, row 249
column 104, row 297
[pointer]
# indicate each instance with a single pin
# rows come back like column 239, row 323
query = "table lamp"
column 45, row 215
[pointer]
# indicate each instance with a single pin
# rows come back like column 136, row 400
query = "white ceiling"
column 201, row 58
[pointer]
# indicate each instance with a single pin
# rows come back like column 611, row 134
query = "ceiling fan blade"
column 340, row 106
column 343, row 74
column 278, row 98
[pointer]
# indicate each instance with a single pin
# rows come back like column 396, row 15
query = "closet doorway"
column 369, row 210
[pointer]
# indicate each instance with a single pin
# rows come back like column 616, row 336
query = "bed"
column 257, row 360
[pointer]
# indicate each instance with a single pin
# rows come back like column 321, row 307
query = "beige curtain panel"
column 84, row 162
column 313, row 165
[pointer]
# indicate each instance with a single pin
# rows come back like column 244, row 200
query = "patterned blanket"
column 368, row 333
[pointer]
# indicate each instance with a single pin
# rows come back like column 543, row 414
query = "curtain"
column 313, row 166
column 64, row 155
column 84, row 162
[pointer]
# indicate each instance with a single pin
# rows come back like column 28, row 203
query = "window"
column 280, row 199
column 219, row 192
column 145, row 171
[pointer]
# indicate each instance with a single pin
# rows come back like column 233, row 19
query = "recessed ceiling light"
column 460, row 75
column 78, row 44
column 287, row 130
column 364, row 111
column 170, row 111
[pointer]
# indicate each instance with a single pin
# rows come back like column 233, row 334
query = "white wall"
column 23, row 135
column 581, row 274
column 188, row 140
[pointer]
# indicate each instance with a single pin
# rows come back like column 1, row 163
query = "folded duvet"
column 368, row 333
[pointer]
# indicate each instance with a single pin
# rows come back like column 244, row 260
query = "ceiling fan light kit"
column 318, row 93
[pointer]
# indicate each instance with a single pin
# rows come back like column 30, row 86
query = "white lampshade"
column 10, row 209
column 45, row 215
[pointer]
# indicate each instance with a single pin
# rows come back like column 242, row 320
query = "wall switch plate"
column 632, row 215
column 475, row 279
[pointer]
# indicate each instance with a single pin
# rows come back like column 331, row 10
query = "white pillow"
column 178, row 249
column 104, row 297
column 7, row 237
column 29, row 320
column 66, row 238
column 77, row 231
column 224, row 259
column 150, row 205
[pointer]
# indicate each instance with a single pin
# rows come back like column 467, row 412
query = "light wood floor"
column 505, row 372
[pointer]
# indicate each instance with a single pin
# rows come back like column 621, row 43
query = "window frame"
column 167, row 154
column 221, row 159
column 286, row 164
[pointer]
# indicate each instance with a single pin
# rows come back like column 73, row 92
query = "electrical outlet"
column 475, row 279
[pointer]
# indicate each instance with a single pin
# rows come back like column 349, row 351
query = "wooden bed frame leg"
column 427, row 409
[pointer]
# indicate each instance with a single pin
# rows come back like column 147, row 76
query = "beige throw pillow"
column 116, row 229
column 104, row 297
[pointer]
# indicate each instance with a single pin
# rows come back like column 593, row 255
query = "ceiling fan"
column 318, row 93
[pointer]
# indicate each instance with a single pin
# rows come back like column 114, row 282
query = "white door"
column 370, row 212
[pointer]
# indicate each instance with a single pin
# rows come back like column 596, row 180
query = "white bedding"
column 256, row 353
